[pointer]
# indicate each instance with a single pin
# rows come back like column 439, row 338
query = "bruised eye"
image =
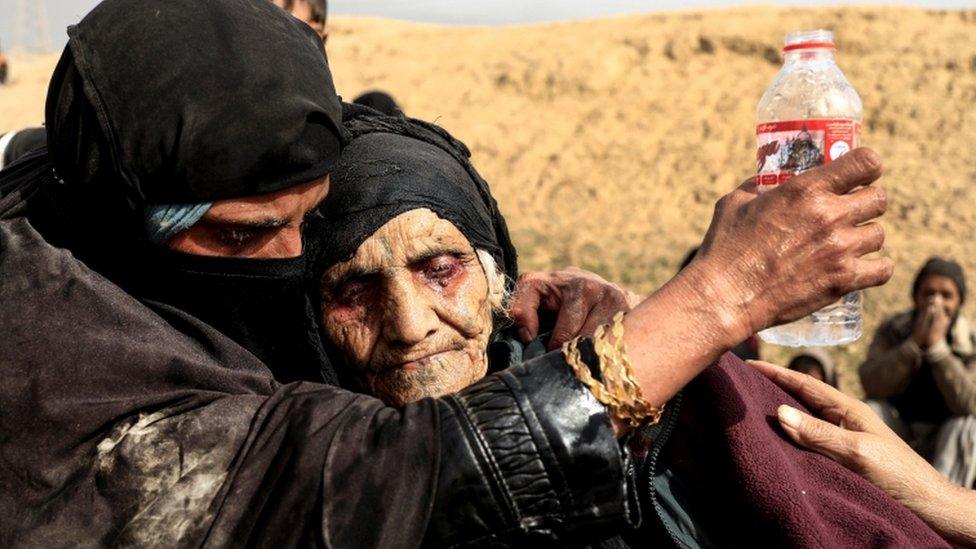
column 442, row 269
column 349, row 293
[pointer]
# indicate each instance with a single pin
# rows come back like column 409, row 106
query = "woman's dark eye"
column 237, row 237
column 349, row 293
column 442, row 269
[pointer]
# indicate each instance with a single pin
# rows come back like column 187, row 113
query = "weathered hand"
column 798, row 247
column 922, row 326
column 939, row 324
column 582, row 299
column 854, row 436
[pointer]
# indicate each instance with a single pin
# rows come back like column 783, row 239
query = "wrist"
column 949, row 512
column 722, row 305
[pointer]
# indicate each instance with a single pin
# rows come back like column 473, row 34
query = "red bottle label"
column 792, row 147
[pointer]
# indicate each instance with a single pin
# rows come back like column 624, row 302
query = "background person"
column 314, row 13
column 817, row 363
column 379, row 100
column 920, row 372
column 849, row 432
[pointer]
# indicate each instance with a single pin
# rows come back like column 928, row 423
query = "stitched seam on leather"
column 517, row 455
column 506, row 507
column 490, row 459
column 512, row 382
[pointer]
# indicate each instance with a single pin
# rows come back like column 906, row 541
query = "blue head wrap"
column 164, row 221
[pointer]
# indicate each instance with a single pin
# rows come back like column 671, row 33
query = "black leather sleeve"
column 528, row 455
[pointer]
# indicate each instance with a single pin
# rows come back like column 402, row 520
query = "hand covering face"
column 188, row 101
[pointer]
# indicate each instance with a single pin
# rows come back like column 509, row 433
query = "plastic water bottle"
column 809, row 116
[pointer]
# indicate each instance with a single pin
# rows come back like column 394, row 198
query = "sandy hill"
column 607, row 142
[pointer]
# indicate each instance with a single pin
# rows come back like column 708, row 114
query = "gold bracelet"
column 619, row 390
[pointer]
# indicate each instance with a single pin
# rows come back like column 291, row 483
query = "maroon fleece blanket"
column 755, row 487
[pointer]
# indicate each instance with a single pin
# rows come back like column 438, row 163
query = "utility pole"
column 33, row 31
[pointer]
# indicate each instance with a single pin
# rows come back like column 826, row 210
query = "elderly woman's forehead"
column 407, row 237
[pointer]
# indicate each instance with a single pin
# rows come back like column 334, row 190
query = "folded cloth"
column 955, row 451
column 757, row 488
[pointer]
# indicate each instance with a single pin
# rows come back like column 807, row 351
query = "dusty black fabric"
column 190, row 101
column 393, row 165
column 260, row 303
column 123, row 425
column 194, row 101
column 128, row 426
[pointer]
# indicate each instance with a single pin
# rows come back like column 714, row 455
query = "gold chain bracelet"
column 618, row 391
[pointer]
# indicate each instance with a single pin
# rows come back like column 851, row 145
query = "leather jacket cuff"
column 528, row 455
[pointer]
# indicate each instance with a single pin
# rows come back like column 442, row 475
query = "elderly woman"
column 415, row 263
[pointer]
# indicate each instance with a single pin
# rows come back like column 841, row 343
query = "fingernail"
column 525, row 335
column 789, row 416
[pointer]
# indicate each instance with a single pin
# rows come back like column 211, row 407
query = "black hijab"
column 187, row 101
column 393, row 165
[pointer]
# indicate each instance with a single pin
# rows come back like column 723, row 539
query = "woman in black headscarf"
column 146, row 143
column 129, row 417
column 411, row 239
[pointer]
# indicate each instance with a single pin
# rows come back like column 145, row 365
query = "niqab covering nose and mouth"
column 187, row 102
column 393, row 165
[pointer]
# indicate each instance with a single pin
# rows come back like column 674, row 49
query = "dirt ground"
column 607, row 142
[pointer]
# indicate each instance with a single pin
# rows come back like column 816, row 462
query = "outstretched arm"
column 853, row 435
column 766, row 260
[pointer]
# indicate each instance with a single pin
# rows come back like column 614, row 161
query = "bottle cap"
column 806, row 40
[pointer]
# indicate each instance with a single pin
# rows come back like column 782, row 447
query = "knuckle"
column 722, row 205
column 879, row 234
column 840, row 282
column 834, row 242
column 868, row 160
column 862, row 450
column 880, row 199
column 821, row 217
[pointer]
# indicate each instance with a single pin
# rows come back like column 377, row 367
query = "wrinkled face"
column 410, row 311
column 941, row 290
column 258, row 227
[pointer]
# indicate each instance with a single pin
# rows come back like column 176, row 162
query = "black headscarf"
column 188, row 101
column 394, row 165
column 193, row 101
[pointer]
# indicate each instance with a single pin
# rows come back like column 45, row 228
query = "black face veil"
column 393, row 165
column 188, row 101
